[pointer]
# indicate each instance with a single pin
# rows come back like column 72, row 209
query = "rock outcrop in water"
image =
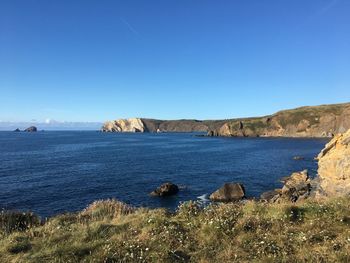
column 316, row 121
column 228, row 192
column 31, row 129
column 166, row 189
column 334, row 167
column 296, row 187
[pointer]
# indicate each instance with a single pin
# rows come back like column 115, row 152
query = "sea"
column 52, row 172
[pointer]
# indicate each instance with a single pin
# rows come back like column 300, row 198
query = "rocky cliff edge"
column 334, row 167
column 124, row 125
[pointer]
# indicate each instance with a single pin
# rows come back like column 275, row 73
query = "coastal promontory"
column 309, row 121
column 312, row 121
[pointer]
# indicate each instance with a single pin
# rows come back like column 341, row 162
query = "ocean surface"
column 52, row 172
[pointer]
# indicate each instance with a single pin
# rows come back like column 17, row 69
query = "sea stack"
column 31, row 129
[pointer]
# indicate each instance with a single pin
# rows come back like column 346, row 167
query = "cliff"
column 334, row 167
column 124, row 125
column 314, row 121
column 153, row 125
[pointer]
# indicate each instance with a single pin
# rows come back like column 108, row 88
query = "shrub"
column 17, row 221
column 19, row 244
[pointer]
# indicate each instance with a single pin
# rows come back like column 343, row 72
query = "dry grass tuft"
column 106, row 209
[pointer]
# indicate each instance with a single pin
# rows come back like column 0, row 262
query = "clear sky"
column 97, row 60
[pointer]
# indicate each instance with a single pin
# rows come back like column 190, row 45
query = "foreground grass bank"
column 109, row 231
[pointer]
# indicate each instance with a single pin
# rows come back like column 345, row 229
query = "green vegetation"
column 256, row 126
column 110, row 231
column 311, row 114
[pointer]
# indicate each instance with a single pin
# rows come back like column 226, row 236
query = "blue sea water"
column 57, row 171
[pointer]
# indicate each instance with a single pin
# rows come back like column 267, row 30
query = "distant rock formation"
column 228, row 192
column 31, row 129
column 315, row 121
column 17, row 130
column 124, row 125
column 334, row 167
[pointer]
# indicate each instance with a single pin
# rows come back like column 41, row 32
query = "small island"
column 31, row 129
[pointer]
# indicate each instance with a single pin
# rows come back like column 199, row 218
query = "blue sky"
column 98, row 60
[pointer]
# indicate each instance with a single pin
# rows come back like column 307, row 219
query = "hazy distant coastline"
column 10, row 126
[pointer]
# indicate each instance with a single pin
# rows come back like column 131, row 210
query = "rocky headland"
column 153, row 125
column 310, row 121
column 313, row 121
column 124, row 125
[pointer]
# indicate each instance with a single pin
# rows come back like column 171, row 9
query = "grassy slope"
column 291, row 117
column 109, row 231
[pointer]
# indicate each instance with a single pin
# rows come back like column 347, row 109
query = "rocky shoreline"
column 333, row 179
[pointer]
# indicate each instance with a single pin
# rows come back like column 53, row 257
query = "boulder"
column 334, row 167
column 296, row 187
column 271, row 196
column 165, row 189
column 17, row 130
column 228, row 192
column 31, row 129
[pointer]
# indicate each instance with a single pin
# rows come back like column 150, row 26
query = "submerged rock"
column 298, row 158
column 165, row 189
column 228, row 192
column 31, row 129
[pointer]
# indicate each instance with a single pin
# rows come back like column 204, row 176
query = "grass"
column 110, row 231
column 259, row 125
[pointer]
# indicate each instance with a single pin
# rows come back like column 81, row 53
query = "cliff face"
column 124, row 125
column 180, row 125
column 334, row 167
column 316, row 121
column 152, row 125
